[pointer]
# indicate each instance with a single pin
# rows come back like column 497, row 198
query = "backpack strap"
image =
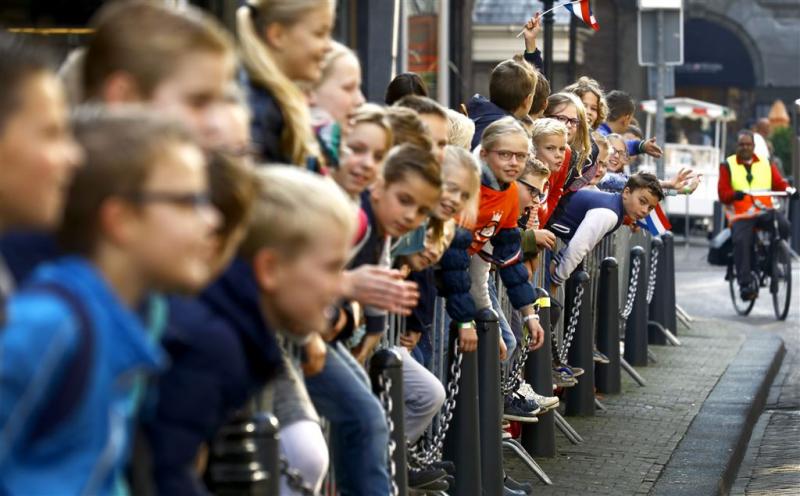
column 70, row 388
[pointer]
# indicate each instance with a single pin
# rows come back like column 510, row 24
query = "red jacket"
column 725, row 190
column 557, row 181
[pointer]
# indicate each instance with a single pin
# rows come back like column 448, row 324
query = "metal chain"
column 651, row 281
column 632, row 287
column 294, row 479
column 573, row 324
column 425, row 452
column 385, row 384
column 514, row 380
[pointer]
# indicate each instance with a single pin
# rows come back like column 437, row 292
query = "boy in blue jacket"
column 73, row 352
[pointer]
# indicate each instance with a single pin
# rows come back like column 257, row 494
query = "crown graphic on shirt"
column 496, row 216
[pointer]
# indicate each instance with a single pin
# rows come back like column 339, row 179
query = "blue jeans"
column 359, row 435
column 505, row 329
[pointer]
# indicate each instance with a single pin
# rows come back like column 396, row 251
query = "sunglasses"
column 535, row 192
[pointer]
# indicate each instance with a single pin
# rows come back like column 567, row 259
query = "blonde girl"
column 283, row 42
column 593, row 99
column 364, row 150
column 338, row 92
column 567, row 108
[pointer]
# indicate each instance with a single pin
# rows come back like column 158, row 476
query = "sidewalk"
column 626, row 448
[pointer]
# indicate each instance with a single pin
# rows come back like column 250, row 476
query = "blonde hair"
column 589, row 85
column 500, row 128
column 547, row 126
column 337, row 51
column 145, row 40
column 455, row 156
column 292, row 207
column 580, row 144
column 460, row 129
column 297, row 139
column 369, row 113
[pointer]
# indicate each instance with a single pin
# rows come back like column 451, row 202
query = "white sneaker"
column 545, row 402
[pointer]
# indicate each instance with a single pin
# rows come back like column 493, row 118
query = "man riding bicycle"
column 738, row 175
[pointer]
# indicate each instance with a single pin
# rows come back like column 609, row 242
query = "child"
column 533, row 190
column 601, row 160
column 585, row 217
column 407, row 83
column 435, row 118
column 283, row 41
column 179, row 62
column 460, row 129
column 338, row 91
column 511, row 88
column 365, row 147
column 137, row 218
column 37, row 149
column 621, row 108
column 591, row 95
column 408, row 127
column 567, row 108
column 549, row 138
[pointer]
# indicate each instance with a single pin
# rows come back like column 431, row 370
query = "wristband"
column 466, row 325
column 528, row 317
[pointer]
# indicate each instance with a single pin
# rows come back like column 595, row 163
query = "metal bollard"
column 671, row 307
column 462, row 446
column 659, row 302
column 490, row 401
column 608, row 377
column 386, row 374
column 636, row 325
column 580, row 398
column 244, row 457
column 539, row 439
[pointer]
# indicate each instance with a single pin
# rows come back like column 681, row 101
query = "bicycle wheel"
column 781, row 279
column 741, row 306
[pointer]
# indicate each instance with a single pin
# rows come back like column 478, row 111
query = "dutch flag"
column 584, row 13
column 657, row 222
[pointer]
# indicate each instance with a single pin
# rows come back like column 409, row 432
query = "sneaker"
column 569, row 369
column 517, row 408
column 546, row 403
column 425, row 476
column 562, row 380
column 600, row 358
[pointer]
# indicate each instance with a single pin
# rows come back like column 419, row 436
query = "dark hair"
column 233, row 190
column 645, row 180
column 121, row 147
column 745, row 132
column 18, row 62
column 422, row 105
column 620, row 104
column 409, row 159
column 510, row 84
column 635, row 130
column 407, row 83
column 540, row 94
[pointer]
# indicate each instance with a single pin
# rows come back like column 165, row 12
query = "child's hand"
column 409, row 339
column 537, row 334
column 545, row 238
column 382, row 288
column 503, row 349
column 316, row 352
column 651, row 148
column 531, row 31
column 467, row 339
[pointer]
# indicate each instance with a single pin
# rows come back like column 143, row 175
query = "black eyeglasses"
column 191, row 199
column 568, row 121
column 535, row 192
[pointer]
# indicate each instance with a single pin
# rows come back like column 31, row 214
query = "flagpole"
column 550, row 10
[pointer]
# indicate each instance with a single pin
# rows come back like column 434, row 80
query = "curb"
column 707, row 459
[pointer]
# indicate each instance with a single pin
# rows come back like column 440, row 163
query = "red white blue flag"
column 657, row 222
column 583, row 11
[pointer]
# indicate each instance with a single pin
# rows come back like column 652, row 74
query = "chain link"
column 651, row 281
column 426, row 452
column 632, row 287
column 385, row 384
column 294, row 479
column 514, row 379
column 573, row 324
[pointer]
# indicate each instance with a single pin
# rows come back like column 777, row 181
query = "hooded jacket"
column 483, row 112
column 86, row 451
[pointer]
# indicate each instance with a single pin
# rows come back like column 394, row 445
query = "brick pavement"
column 626, row 447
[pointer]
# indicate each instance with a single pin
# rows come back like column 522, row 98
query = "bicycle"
column 771, row 264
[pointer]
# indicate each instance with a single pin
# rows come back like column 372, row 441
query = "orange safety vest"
column 760, row 180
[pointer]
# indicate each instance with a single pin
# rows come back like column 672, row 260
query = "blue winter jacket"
column 86, row 452
column 482, row 112
column 634, row 145
column 454, row 278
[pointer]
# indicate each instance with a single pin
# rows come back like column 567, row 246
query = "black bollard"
column 244, row 457
column 388, row 364
column 636, row 325
column 490, row 400
column 539, row 439
column 657, row 311
column 580, row 398
column 608, row 379
column 462, row 446
column 794, row 218
column 671, row 316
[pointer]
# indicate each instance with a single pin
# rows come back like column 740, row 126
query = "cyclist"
column 739, row 174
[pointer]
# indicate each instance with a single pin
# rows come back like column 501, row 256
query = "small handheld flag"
column 584, row 13
column 657, row 222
